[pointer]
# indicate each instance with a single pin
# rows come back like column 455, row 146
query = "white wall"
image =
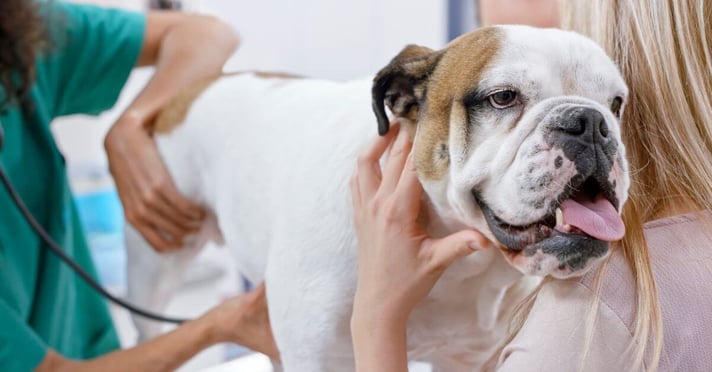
column 321, row 38
column 331, row 39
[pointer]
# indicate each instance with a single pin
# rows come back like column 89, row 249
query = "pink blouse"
column 554, row 335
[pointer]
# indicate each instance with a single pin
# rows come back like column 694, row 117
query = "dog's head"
column 518, row 136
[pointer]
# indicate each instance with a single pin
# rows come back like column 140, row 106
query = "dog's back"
column 270, row 155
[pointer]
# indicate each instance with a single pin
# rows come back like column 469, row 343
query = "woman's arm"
column 186, row 49
column 242, row 320
column 398, row 262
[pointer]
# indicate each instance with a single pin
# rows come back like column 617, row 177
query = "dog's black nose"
column 583, row 124
column 583, row 135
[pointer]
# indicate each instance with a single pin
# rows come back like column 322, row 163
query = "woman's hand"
column 398, row 262
column 244, row 320
column 151, row 202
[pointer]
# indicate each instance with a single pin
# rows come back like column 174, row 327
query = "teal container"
column 103, row 221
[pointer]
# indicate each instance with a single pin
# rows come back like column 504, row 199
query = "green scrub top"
column 43, row 304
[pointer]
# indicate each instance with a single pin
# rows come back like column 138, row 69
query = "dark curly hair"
column 23, row 35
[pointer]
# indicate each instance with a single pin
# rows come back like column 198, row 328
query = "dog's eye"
column 616, row 106
column 503, row 99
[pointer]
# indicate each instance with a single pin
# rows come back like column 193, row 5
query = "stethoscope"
column 57, row 250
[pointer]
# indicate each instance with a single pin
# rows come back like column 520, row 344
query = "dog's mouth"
column 585, row 212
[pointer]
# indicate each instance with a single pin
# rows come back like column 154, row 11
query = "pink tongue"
column 597, row 218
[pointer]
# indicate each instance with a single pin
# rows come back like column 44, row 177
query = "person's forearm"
column 186, row 50
column 164, row 353
column 190, row 52
column 379, row 343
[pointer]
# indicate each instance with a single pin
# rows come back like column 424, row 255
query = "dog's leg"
column 152, row 278
column 310, row 309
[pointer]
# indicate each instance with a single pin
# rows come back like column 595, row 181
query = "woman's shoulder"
column 676, row 245
column 600, row 307
column 558, row 333
column 689, row 231
column 613, row 282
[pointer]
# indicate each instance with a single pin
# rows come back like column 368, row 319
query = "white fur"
column 271, row 159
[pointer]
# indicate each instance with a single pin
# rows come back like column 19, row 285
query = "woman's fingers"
column 155, row 239
column 168, row 227
column 191, row 212
column 409, row 189
column 396, row 161
column 398, row 179
column 441, row 253
column 153, row 209
column 368, row 168
column 179, row 221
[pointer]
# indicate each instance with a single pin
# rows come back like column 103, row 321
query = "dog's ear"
column 401, row 84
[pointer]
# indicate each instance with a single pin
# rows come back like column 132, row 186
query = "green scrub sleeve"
column 92, row 54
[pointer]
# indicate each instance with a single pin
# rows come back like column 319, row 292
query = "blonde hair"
column 662, row 49
column 663, row 52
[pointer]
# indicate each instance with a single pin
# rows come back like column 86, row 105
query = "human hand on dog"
column 151, row 202
column 398, row 262
column 244, row 320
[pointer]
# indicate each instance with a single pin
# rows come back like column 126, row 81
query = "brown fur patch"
column 457, row 73
column 173, row 114
column 400, row 85
column 274, row 75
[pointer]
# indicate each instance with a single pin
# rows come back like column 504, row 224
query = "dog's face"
column 518, row 136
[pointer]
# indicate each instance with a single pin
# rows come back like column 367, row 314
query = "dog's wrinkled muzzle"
column 583, row 219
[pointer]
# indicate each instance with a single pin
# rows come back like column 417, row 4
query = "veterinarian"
column 645, row 308
column 58, row 59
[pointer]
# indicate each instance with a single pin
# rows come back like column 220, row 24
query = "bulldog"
column 516, row 134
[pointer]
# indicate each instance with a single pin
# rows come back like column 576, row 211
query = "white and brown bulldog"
column 513, row 126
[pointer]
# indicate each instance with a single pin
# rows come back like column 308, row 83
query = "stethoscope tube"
column 57, row 250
